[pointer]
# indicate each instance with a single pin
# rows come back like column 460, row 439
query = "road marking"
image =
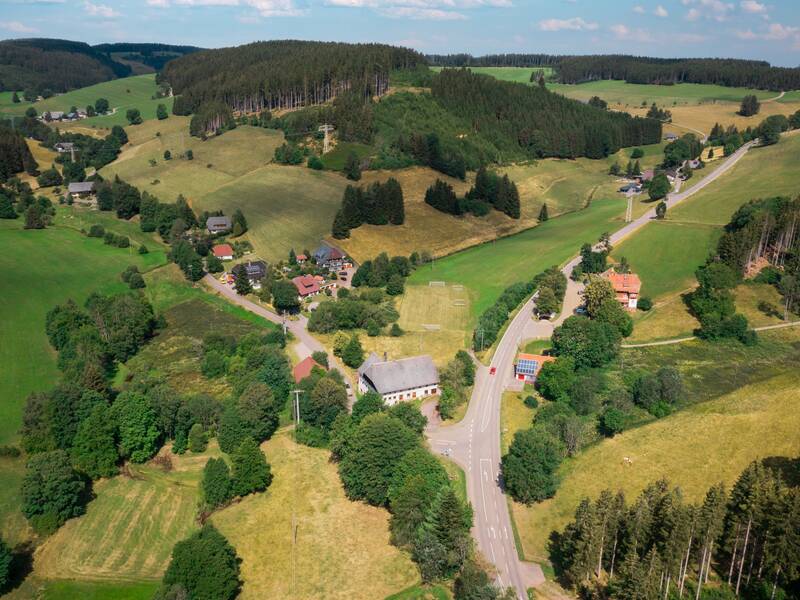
column 445, row 442
column 483, row 496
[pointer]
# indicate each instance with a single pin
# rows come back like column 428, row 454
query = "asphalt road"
column 474, row 443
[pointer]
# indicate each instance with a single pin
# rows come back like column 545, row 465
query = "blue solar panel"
column 527, row 367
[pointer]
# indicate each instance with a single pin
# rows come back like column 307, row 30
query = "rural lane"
column 694, row 337
column 474, row 442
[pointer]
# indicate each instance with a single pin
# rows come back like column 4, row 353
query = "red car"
column 493, row 370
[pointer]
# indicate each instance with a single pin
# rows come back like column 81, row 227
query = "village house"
column 256, row 271
column 82, row 192
column 218, row 224
column 330, row 258
column 64, row 147
column 528, row 366
column 626, row 287
column 646, row 176
column 53, row 115
column 670, row 137
column 301, row 259
column 398, row 380
column 304, row 367
column 223, row 251
column 634, row 188
column 307, row 286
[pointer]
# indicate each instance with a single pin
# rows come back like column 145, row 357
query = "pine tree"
column 251, row 471
column 543, row 216
column 352, row 167
column 217, row 485
column 512, row 205
column 34, row 218
column 637, row 168
column 232, row 429
column 242, row 283
column 629, row 170
column 15, row 98
column 353, row 353
column 449, row 521
column 6, row 207
column 197, row 438
column 340, row 229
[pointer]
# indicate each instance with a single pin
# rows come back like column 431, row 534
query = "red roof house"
column 306, row 285
column 626, row 286
column 303, row 369
column 223, row 251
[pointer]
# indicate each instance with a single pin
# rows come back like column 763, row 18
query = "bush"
column 96, row 231
column 395, row 330
column 531, row 402
column 52, row 491
column 314, row 162
column 644, row 303
column 529, row 468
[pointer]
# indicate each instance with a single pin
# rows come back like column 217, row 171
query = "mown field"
column 488, row 269
column 515, row 74
column 758, row 420
column 286, row 207
column 122, row 94
column 341, row 548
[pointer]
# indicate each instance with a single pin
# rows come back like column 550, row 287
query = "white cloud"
column 639, row 9
column 693, row 14
column 100, row 10
column 774, row 32
column 751, row 6
column 17, row 27
column 660, row 11
column 710, row 9
column 623, row 32
column 574, row 24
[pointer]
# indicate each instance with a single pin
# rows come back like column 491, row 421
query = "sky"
column 681, row 28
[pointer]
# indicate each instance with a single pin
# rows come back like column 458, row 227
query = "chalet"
column 301, row 258
column 304, row 367
column 223, row 251
column 626, row 287
column 256, row 271
column 54, row 115
column 670, row 137
column 82, row 192
column 218, row 224
column 633, row 188
column 528, row 366
column 646, row 175
column 306, row 286
column 329, row 257
column 398, row 380
column 64, row 147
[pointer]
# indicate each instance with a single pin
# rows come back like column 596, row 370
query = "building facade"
column 399, row 380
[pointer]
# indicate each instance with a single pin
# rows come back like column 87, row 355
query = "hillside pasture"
column 340, row 549
column 129, row 92
column 515, row 74
column 757, row 421
column 486, row 270
column 129, row 529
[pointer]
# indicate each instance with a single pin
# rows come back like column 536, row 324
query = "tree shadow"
column 789, row 468
column 21, row 566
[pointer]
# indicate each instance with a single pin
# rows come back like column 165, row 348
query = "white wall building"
column 399, row 380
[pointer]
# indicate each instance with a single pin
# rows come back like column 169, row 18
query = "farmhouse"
column 304, row 367
column 329, row 257
column 218, row 224
column 223, row 251
column 626, row 287
column 306, row 285
column 82, row 192
column 631, row 188
column 528, row 366
column 647, row 175
column 256, row 271
column 301, row 258
column 54, row 115
column 64, row 147
column 398, row 380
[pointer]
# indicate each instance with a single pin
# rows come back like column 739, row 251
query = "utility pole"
column 326, row 142
column 629, row 211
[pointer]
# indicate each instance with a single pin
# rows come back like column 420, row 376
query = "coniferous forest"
column 283, row 74
column 15, row 156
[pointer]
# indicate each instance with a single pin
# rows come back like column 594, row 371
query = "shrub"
column 96, row 231
column 644, row 303
column 531, row 402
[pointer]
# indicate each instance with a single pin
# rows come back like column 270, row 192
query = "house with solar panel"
column 527, row 366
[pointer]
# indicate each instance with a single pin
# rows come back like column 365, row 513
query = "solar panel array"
column 527, row 366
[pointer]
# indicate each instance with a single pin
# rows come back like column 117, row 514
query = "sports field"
column 129, row 529
column 488, row 269
column 340, row 549
column 756, row 421
column 130, row 92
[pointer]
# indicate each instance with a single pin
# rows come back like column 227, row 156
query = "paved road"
column 306, row 343
column 474, row 443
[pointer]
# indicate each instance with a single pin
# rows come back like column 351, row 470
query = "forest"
column 540, row 123
column 154, row 56
column 15, row 156
column 493, row 60
column 40, row 65
column 283, row 74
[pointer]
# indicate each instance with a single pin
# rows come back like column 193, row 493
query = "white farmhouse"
column 398, row 380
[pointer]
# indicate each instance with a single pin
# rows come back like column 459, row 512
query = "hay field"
column 129, row 529
column 756, row 421
column 342, row 548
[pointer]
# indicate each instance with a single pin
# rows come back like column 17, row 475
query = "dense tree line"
column 426, row 149
column 211, row 117
column 383, row 272
column 154, row 56
column 668, row 71
column 377, row 204
column 15, row 156
column 370, row 309
column 282, row 74
column 17, row 199
column 55, row 65
column 729, row 138
column 455, row 381
column 543, row 124
column 713, row 304
column 662, row 546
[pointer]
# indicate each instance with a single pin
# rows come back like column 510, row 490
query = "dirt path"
column 693, row 337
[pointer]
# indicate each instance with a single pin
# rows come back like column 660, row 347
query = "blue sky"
column 730, row 28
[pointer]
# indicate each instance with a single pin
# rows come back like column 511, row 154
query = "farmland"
column 341, row 548
column 122, row 94
column 756, row 421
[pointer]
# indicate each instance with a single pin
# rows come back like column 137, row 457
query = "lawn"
column 80, row 218
column 43, row 268
column 488, row 269
column 68, row 590
column 286, row 207
column 515, row 74
column 336, row 159
column 130, row 92
column 694, row 449
column 514, row 417
column 665, row 255
column 632, row 94
column 338, row 549
column 129, row 529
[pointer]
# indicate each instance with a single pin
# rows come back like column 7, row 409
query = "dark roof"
column 81, row 187
column 218, row 223
column 325, row 253
column 256, row 269
column 387, row 377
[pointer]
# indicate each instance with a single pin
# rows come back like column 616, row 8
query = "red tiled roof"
column 221, row 250
column 306, row 285
column 303, row 369
column 624, row 283
column 302, row 257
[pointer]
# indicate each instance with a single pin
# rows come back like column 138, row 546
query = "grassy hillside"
column 285, row 206
column 516, row 74
column 341, row 548
column 122, row 94
column 756, row 421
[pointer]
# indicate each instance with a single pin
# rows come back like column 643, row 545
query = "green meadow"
column 515, row 74
column 129, row 92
